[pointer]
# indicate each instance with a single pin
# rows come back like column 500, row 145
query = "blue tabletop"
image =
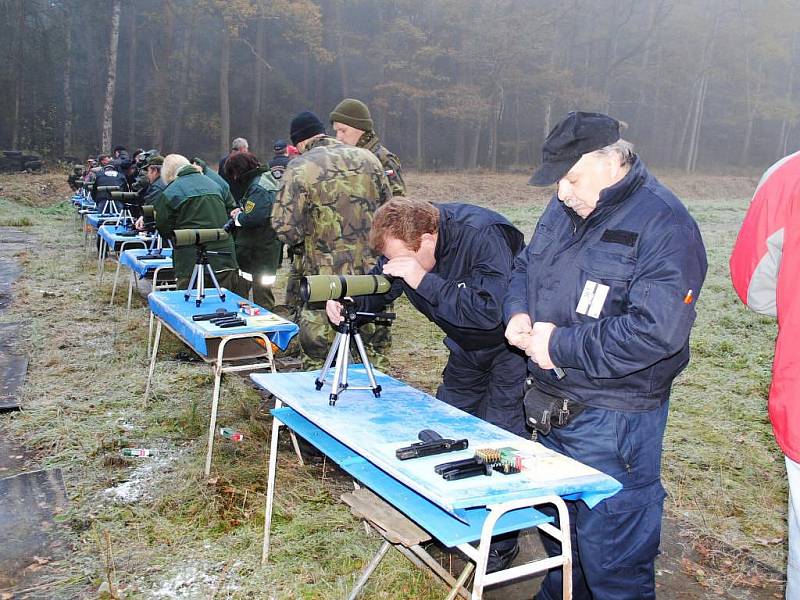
column 176, row 312
column 376, row 427
column 96, row 219
column 449, row 528
column 113, row 234
column 82, row 201
column 130, row 258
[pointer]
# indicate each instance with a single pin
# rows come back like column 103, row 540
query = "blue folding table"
column 116, row 238
column 93, row 220
column 217, row 346
column 361, row 433
column 141, row 269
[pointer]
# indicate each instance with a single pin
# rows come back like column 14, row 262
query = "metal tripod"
column 346, row 333
column 198, row 276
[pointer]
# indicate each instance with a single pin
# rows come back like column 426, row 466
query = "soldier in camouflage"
column 353, row 125
column 352, row 122
column 329, row 195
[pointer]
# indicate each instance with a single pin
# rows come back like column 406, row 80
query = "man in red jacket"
column 765, row 270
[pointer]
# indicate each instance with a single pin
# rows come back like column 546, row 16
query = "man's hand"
column 334, row 311
column 538, row 349
column 235, row 212
column 519, row 331
column 139, row 224
column 407, row 268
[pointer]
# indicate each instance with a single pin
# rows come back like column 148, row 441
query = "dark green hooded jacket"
column 193, row 201
column 257, row 247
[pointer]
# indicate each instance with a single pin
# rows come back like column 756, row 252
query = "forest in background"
column 452, row 84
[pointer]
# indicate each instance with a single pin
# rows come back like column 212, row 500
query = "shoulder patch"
column 249, row 206
column 620, row 236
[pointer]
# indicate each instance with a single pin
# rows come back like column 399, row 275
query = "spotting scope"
column 198, row 237
column 107, row 188
column 318, row 288
column 125, row 196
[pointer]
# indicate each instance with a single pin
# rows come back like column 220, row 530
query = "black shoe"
column 500, row 559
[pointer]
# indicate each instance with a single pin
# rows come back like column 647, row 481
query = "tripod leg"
column 215, row 282
column 193, row 278
column 346, row 360
column 362, row 352
column 328, row 360
column 200, row 292
column 341, row 363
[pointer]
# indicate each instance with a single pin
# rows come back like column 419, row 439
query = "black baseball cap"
column 575, row 135
column 280, row 145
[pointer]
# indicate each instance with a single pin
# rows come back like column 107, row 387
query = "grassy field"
column 158, row 529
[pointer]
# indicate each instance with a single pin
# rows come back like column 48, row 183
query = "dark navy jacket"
column 463, row 293
column 108, row 176
column 641, row 242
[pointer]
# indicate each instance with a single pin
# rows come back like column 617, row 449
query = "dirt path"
column 29, row 497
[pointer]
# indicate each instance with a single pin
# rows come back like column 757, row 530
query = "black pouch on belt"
column 543, row 411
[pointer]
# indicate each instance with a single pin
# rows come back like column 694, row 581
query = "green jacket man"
column 227, row 195
column 258, row 250
column 193, row 201
column 329, row 195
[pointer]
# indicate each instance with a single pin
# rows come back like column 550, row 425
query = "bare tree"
column 699, row 101
column 67, row 136
column 786, row 123
column 224, row 92
column 258, row 83
column 183, row 84
column 108, row 106
column 132, row 81
column 19, row 73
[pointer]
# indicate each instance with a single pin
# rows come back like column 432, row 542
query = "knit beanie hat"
column 305, row 125
column 354, row 113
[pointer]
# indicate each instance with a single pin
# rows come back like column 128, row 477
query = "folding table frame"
column 106, row 248
column 378, row 481
column 218, row 367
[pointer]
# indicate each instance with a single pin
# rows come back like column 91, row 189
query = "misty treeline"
column 450, row 83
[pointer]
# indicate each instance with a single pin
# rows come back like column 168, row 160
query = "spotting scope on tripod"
column 199, row 238
column 319, row 288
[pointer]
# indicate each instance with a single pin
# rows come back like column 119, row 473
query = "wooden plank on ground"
column 396, row 527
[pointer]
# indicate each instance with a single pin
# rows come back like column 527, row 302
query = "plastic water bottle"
column 138, row 452
column 231, row 434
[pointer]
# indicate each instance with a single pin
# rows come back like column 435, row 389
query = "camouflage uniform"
column 379, row 335
column 369, row 140
column 328, row 198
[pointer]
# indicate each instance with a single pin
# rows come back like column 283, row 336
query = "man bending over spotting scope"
column 453, row 262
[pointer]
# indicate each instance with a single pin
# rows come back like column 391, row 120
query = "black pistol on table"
column 432, row 443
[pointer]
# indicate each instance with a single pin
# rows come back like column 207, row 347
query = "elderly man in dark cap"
column 602, row 301
column 155, row 184
column 329, row 195
column 353, row 125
